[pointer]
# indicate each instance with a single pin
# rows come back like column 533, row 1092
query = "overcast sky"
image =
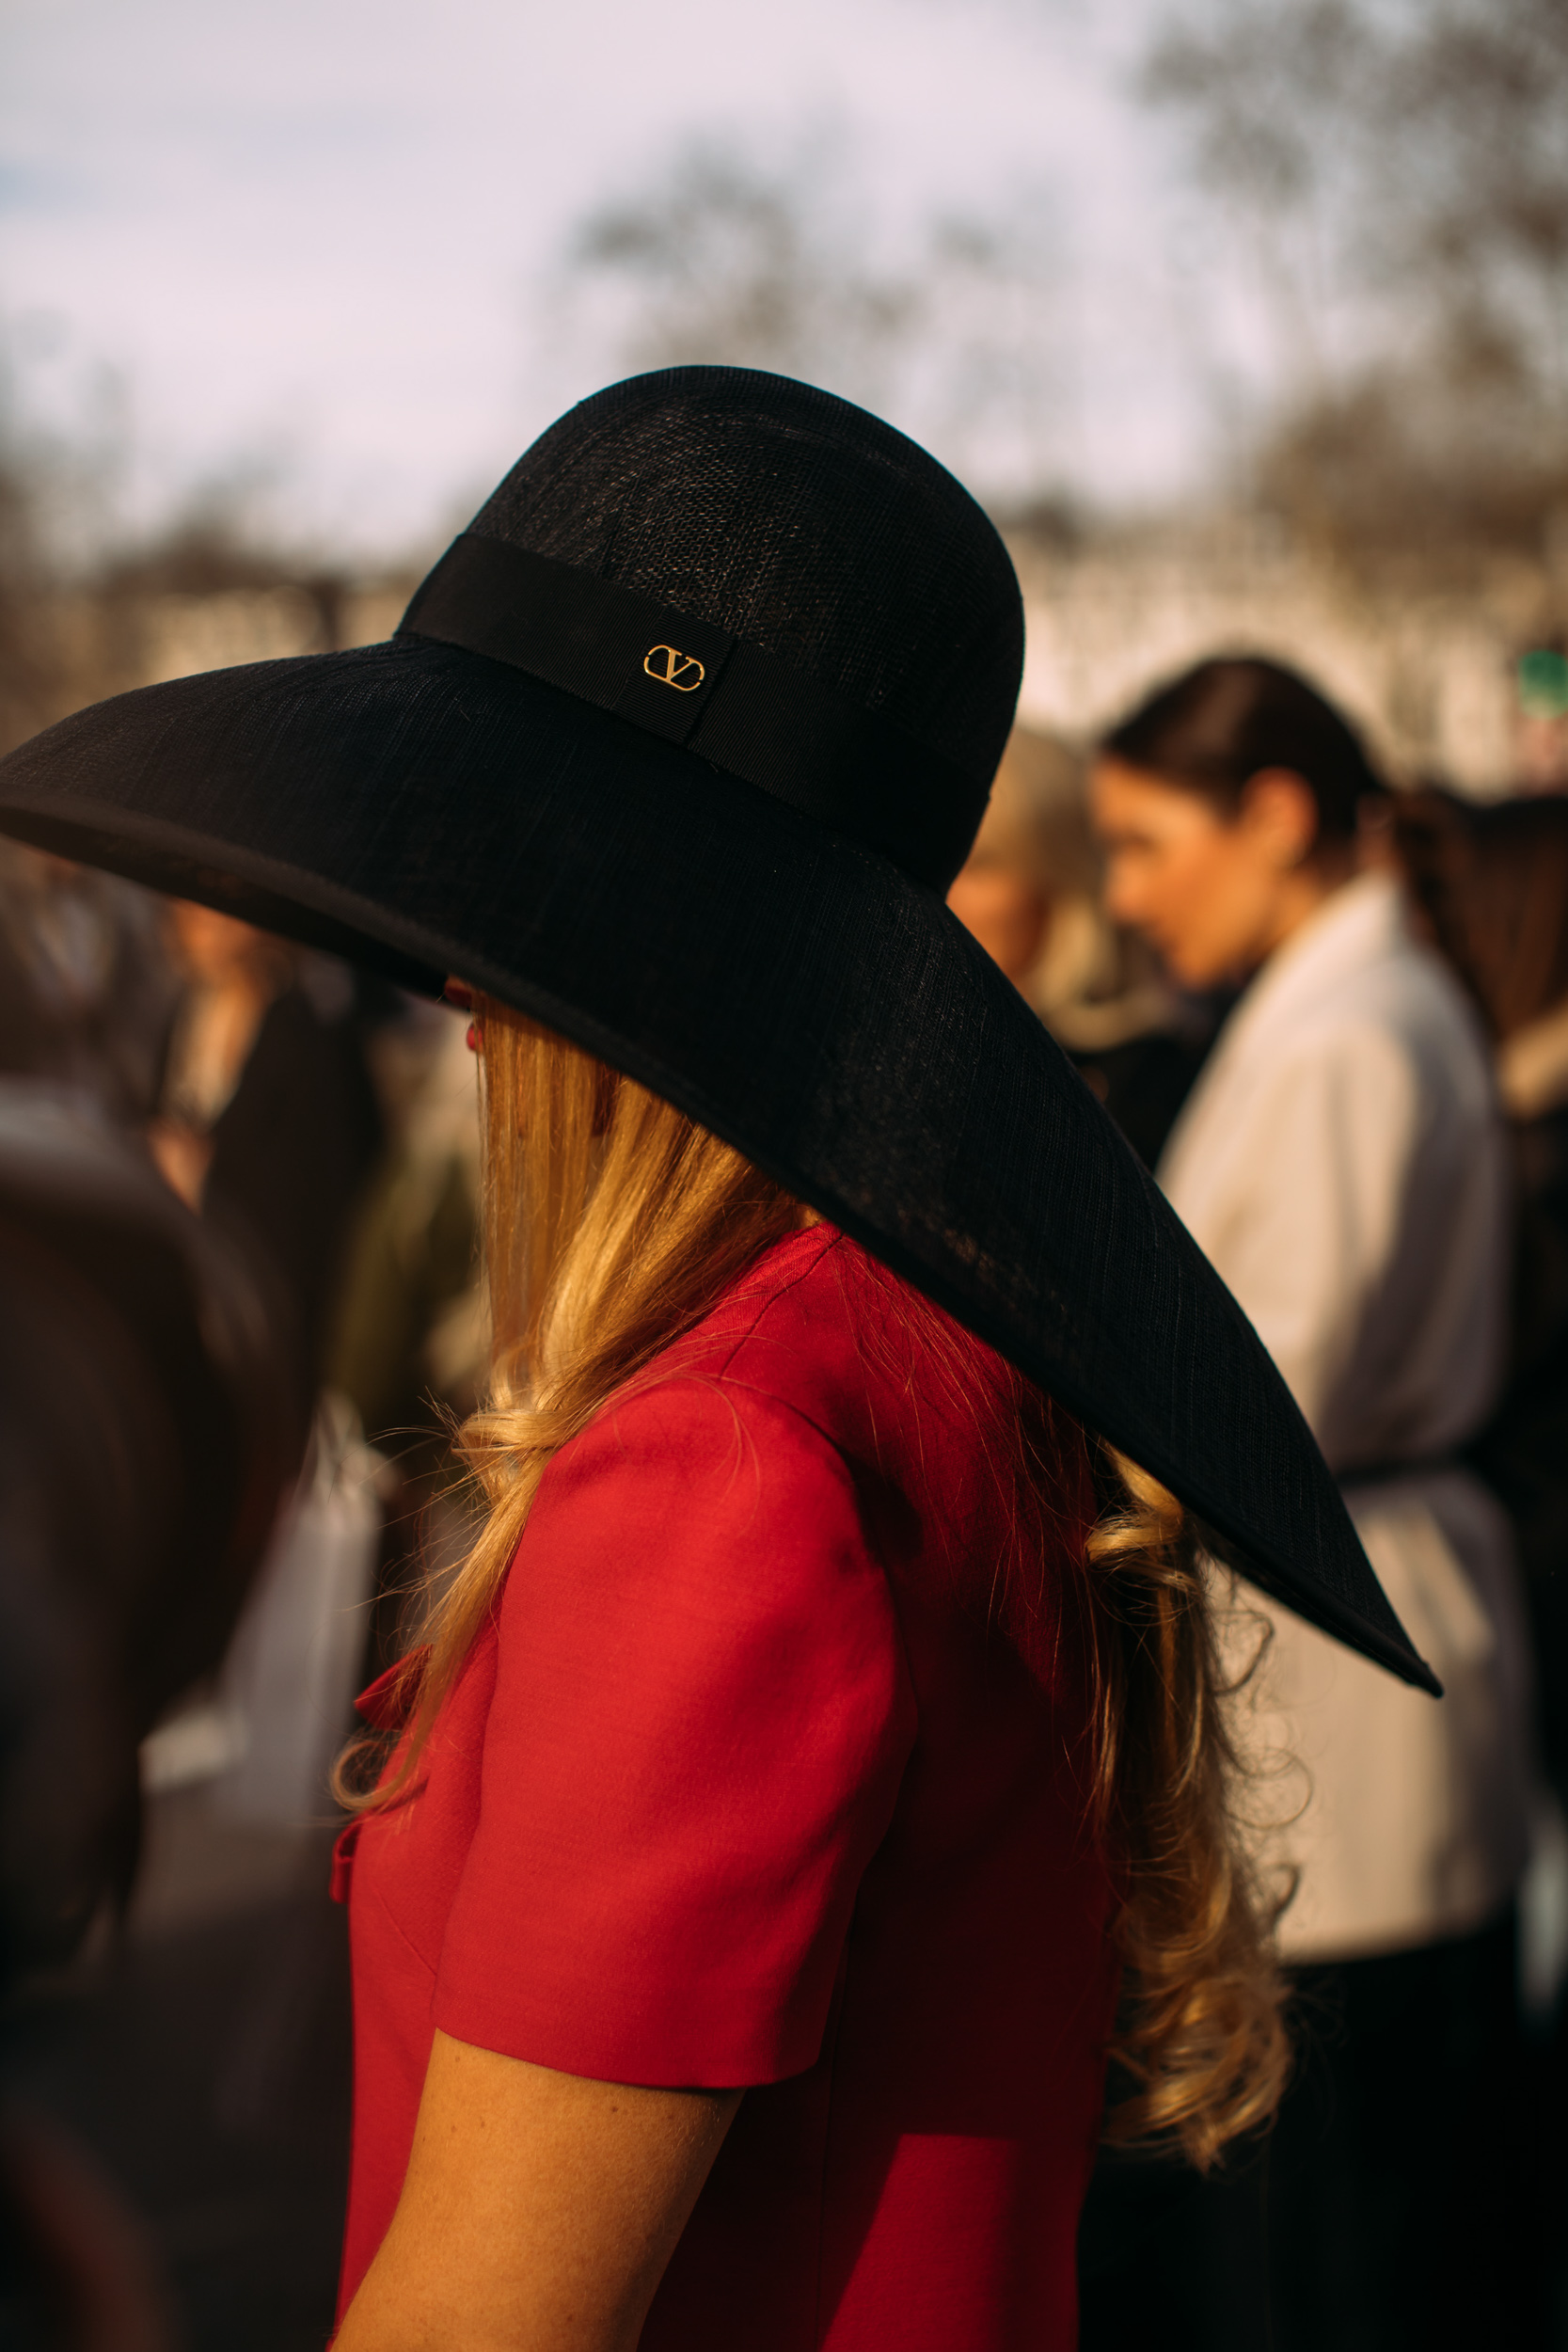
column 322, row 234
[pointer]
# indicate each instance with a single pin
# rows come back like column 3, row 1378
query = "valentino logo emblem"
column 683, row 670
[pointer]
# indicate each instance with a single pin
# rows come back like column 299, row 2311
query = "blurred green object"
column 1543, row 678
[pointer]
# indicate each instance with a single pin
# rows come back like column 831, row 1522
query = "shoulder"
column 818, row 1368
column 826, row 1332
column 1398, row 1020
column 685, row 1444
column 1405, row 1022
column 1415, row 992
column 1385, row 1063
column 810, row 1330
column 743, row 1419
column 697, row 1523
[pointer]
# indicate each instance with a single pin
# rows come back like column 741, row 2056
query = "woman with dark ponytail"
column 1340, row 1162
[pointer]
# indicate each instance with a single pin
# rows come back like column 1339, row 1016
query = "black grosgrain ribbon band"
column 740, row 708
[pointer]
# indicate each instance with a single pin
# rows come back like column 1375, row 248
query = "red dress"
column 746, row 1784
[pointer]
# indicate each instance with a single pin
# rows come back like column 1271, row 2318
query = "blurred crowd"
column 317, row 1129
column 240, row 1304
column 238, row 1224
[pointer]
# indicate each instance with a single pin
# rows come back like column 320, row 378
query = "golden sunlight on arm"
column 539, row 2211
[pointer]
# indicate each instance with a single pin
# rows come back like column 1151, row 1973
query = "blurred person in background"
column 1032, row 893
column 87, row 985
column 1341, row 1161
column 267, row 1121
column 409, row 1323
column 146, row 1436
column 409, row 1333
column 158, row 1376
column 1492, row 884
column 269, row 1125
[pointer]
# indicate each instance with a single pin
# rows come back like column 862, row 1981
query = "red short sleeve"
column 701, row 1717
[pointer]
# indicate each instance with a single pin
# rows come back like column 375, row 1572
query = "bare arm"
column 539, row 2210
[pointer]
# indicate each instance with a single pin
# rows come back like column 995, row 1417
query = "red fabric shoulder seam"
column 832, row 1238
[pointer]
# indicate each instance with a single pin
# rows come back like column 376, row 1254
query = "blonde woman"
column 814, row 1773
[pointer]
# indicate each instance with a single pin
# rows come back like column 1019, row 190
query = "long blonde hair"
column 635, row 1220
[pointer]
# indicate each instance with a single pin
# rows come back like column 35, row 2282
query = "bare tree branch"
column 1427, row 145
column 726, row 259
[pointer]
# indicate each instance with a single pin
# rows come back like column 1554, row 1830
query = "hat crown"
column 796, row 523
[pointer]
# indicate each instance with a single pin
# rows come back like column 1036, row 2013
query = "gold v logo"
column 683, row 670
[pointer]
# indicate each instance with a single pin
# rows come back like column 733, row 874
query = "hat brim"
column 427, row 810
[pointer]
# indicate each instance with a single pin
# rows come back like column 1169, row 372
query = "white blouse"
column 1341, row 1161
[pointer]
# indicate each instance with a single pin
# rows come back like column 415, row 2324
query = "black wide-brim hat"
column 677, row 750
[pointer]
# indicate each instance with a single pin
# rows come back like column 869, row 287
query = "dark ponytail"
column 1216, row 726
